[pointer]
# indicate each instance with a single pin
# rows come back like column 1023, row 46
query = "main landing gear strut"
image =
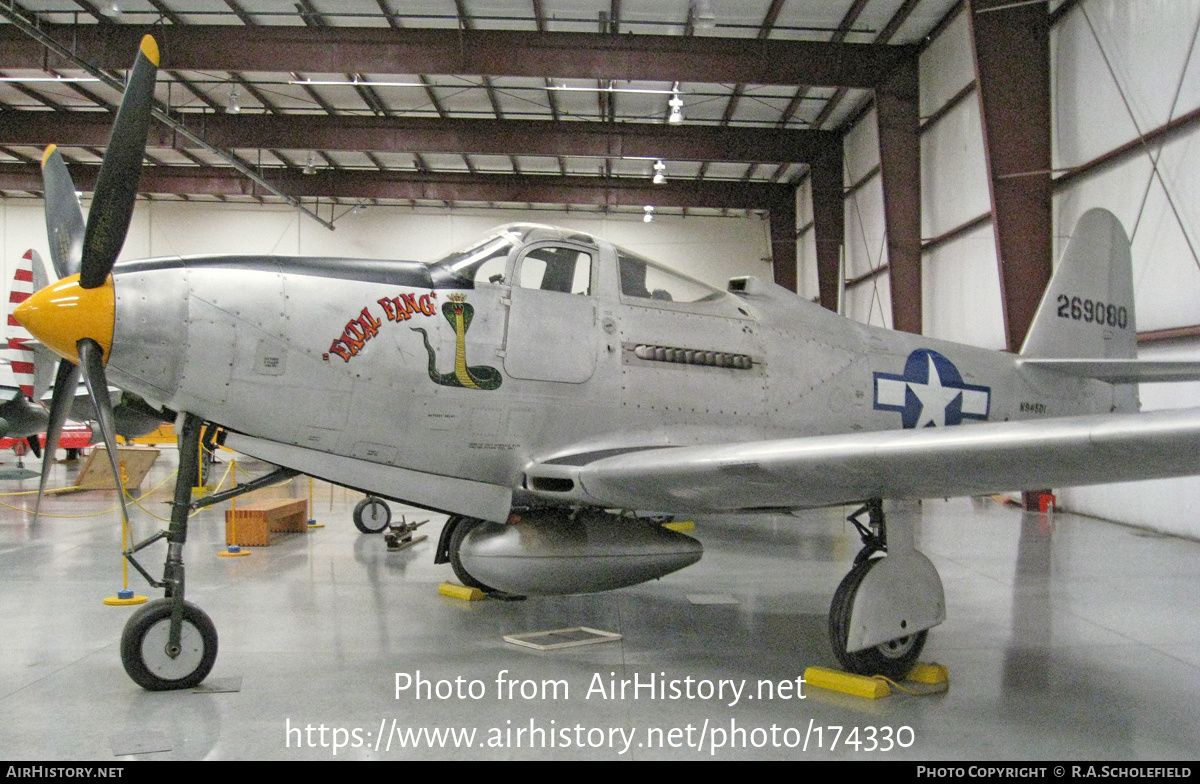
column 453, row 532
column 170, row 643
column 882, row 609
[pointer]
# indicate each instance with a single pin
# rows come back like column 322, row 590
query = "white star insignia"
column 934, row 397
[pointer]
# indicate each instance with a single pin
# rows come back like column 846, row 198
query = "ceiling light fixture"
column 660, row 173
column 234, row 107
column 308, row 165
column 648, row 214
column 634, row 90
column 554, row 87
column 703, row 17
column 355, row 82
column 35, row 79
column 676, row 104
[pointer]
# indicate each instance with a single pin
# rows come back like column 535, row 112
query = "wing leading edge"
column 827, row 470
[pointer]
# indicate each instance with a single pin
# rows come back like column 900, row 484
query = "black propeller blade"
column 91, row 358
column 116, row 185
column 65, row 382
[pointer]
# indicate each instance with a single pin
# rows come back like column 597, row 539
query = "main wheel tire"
column 144, row 641
column 460, row 532
column 893, row 659
column 372, row 515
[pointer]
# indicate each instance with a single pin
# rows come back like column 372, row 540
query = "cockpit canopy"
column 560, row 260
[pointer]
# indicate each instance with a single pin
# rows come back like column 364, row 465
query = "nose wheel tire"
column 372, row 515
column 144, row 647
column 893, row 659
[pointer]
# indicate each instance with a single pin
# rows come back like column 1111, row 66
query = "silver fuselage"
column 326, row 355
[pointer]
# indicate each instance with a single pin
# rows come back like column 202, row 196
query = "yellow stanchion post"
column 232, row 549
column 125, row 596
column 312, row 523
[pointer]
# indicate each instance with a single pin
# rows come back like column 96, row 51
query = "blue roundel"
column 931, row 392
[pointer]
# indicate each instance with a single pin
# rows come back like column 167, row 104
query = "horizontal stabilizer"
column 1119, row 371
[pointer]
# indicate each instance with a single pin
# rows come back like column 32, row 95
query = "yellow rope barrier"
column 90, row 514
column 126, row 531
column 136, row 501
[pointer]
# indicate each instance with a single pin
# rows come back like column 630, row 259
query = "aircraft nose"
column 64, row 313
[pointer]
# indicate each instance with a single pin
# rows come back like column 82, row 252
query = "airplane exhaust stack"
column 554, row 552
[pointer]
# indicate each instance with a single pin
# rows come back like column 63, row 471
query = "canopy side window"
column 644, row 279
column 561, row 268
column 491, row 269
column 481, row 262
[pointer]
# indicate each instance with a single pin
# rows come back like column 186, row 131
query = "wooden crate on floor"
column 257, row 520
column 96, row 473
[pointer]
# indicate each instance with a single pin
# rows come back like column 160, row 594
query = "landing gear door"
column 552, row 315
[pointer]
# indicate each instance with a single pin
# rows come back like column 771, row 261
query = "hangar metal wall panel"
column 871, row 301
column 962, row 292
column 1146, row 45
column 954, row 187
column 945, row 66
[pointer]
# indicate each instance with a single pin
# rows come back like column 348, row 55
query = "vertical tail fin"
column 1087, row 311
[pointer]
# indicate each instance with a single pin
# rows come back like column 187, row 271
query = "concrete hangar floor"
column 1066, row 638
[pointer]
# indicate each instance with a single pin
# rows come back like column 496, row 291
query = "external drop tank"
column 558, row 551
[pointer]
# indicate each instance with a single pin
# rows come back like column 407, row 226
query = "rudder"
column 19, row 344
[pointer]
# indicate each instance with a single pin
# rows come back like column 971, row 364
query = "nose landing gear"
column 170, row 643
column 151, row 660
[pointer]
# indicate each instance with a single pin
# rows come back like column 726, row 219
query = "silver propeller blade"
column 117, row 183
column 91, row 357
column 65, row 381
column 64, row 216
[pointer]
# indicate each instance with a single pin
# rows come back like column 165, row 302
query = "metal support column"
column 783, row 239
column 829, row 221
column 898, row 113
column 1012, row 65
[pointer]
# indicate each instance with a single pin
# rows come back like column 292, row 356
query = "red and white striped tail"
column 19, row 350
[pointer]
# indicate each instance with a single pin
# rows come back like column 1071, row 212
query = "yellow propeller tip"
column 150, row 49
column 49, row 151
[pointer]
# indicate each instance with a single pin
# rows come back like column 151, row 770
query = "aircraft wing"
column 926, row 463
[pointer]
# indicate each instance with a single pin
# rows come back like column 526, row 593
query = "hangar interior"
column 943, row 150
